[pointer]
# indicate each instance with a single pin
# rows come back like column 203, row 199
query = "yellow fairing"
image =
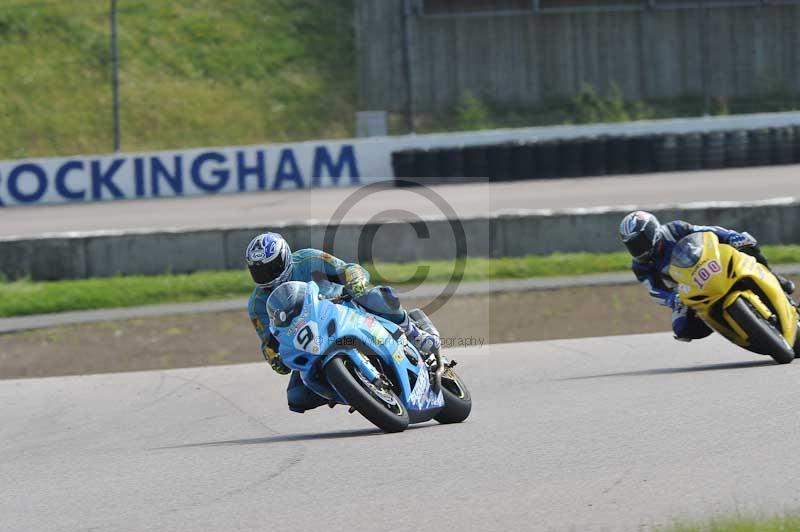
column 719, row 278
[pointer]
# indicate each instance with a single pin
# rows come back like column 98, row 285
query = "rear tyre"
column 457, row 399
column 764, row 337
column 380, row 406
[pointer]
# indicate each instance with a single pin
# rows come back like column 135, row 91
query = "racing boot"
column 786, row 284
column 788, row 288
column 424, row 341
column 299, row 397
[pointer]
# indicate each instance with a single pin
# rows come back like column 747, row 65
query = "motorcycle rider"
column 651, row 243
column 271, row 263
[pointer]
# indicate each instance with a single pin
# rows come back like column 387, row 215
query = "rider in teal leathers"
column 271, row 263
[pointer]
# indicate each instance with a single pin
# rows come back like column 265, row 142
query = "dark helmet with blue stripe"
column 641, row 233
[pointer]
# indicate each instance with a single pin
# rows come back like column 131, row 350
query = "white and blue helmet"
column 269, row 260
column 640, row 231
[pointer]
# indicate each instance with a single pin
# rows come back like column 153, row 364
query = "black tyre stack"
column 666, row 148
column 714, row 149
column 619, row 155
column 597, row 156
column 642, row 154
column 547, row 160
column 523, row 161
column 690, row 148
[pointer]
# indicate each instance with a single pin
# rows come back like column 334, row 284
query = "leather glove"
column 743, row 240
column 275, row 362
column 356, row 281
column 270, row 350
column 674, row 301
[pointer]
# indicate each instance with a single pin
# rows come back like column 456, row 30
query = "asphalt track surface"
column 617, row 433
column 254, row 209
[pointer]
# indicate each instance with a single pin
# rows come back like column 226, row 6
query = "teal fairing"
column 323, row 329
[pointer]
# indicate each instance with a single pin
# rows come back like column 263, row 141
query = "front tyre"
column 764, row 337
column 457, row 399
column 380, row 405
column 797, row 342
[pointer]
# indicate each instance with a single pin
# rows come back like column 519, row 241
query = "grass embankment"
column 192, row 73
column 739, row 524
column 21, row 298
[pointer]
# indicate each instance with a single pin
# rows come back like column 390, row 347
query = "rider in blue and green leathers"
column 271, row 262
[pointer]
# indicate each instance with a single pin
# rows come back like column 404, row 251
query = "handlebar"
column 341, row 298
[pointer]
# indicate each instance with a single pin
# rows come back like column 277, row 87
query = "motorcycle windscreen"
column 688, row 250
column 285, row 303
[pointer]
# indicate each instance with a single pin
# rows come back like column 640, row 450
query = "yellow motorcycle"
column 736, row 296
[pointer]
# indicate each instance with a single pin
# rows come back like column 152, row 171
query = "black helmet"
column 640, row 232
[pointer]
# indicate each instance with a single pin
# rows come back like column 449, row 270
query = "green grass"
column 740, row 524
column 590, row 106
column 477, row 269
column 193, row 73
column 20, row 298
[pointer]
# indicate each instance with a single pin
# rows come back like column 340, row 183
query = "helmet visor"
column 640, row 245
column 265, row 273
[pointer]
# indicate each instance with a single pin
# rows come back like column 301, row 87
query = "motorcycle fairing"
column 712, row 276
column 324, row 329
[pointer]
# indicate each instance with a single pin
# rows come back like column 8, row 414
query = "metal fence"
column 451, row 8
column 418, row 57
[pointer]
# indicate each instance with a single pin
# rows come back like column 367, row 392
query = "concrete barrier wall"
column 76, row 256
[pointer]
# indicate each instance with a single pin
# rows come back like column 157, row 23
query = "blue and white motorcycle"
column 355, row 358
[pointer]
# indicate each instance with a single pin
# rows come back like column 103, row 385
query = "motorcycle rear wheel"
column 764, row 337
column 457, row 399
column 389, row 416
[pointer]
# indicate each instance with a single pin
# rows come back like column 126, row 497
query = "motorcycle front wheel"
column 457, row 399
column 764, row 337
column 379, row 404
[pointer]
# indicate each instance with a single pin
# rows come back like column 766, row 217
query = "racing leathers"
column 654, row 273
column 333, row 276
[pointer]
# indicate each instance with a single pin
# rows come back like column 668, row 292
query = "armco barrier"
column 72, row 256
column 601, row 155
